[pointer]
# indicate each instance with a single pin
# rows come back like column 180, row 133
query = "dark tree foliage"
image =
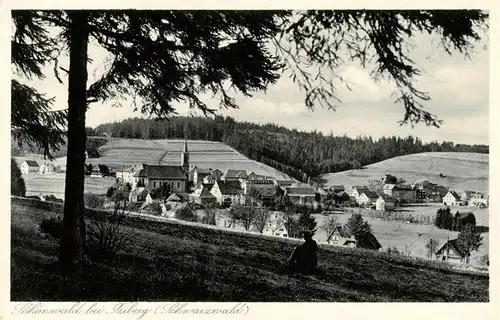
column 17, row 185
column 469, row 239
column 307, row 222
column 446, row 220
column 359, row 227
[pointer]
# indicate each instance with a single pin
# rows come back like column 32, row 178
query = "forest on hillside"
column 296, row 153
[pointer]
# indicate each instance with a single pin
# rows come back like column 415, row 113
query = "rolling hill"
column 462, row 171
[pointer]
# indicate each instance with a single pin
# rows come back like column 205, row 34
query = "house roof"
column 403, row 187
column 163, row 172
column 301, row 191
column 454, row 194
column 368, row 241
column 284, row 182
column 173, row 197
column 337, row 187
column 255, row 181
column 204, row 194
column 344, row 231
column 235, row 173
column 203, row 171
column 370, row 194
column 453, row 244
column 229, row 187
column 31, row 163
column 388, row 186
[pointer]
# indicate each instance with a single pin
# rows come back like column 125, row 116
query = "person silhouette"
column 304, row 258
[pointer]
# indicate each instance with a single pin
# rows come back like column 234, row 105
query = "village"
column 165, row 190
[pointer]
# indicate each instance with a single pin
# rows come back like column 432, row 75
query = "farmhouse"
column 47, row 168
column 276, row 225
column 202, row 195
column 451, row 199
column 126, row 174
column 264, row 188
column 367, row 198
column 199, row 174
column 227, row 192
column 358, row 190
column 452, row 252
column 385, row 203
column 235, row 175
column 303, row 195
column 401, row 192
column 138, row 195
column 29, row 166
column 342, row 236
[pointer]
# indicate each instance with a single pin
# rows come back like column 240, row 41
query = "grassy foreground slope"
column 173, row 262
column 462, row 171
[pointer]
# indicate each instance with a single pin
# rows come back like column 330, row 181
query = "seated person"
column 304, row 258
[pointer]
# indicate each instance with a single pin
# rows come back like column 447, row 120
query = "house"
column 199, row 174
column 227, row 192
column 452, row 252
column 336, row 189
column 356, row 191
column 235, row 175
column 126, row 174
column 388, row 189
column 202, row 195
column 401, row 192
column 367, row 198
column 47, row 168
column 276, row 225
column 96, row 171
column 466, row 195
column 264, row 188
column 216, row 174
column 29, row 166
column 451, row 199
column 342, row 236
column 303, row 195
column 479, row 200
column 385, row 203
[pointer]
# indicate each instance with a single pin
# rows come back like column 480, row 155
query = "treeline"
column 446, row 220
column 297, row 153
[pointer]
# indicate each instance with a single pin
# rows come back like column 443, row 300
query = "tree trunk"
column 73, row 237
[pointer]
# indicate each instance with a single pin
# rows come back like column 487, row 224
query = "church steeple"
column 185, row 156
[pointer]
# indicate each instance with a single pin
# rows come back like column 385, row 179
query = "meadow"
column 461, row 171
column 175, row 262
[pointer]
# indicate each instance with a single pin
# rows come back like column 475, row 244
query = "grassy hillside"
column 461, row 170
column 173, row 262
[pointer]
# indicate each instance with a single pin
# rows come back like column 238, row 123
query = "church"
column 176, row 177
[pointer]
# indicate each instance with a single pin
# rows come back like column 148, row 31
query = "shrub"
column 484, row 260
column 93, row 200
column 17, row 185
column 186, row 214
column 53, row 227
column 110, row 192
column 106, row 236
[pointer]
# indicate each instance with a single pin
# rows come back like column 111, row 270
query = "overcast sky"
column 459, row 89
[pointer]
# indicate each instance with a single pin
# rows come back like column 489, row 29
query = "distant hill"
column 462, row 171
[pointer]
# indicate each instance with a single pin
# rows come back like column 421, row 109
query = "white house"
column 30, row 166
column 265, row 188
column 367, row 198
column 276, row 225
column 452, row 252
column 341, row 236
column 228, row 192
column 47, row 168
column 385, row 203
column 304, row 195
column 358, row 190
column 126, row 174
column 451, row 199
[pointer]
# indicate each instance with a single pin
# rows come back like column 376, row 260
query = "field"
column 204, row 154
column 175, row 262
column 462, row 171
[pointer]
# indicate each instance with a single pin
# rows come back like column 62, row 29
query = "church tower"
column 185, row 157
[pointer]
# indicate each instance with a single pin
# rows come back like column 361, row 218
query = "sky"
column 458, row 87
